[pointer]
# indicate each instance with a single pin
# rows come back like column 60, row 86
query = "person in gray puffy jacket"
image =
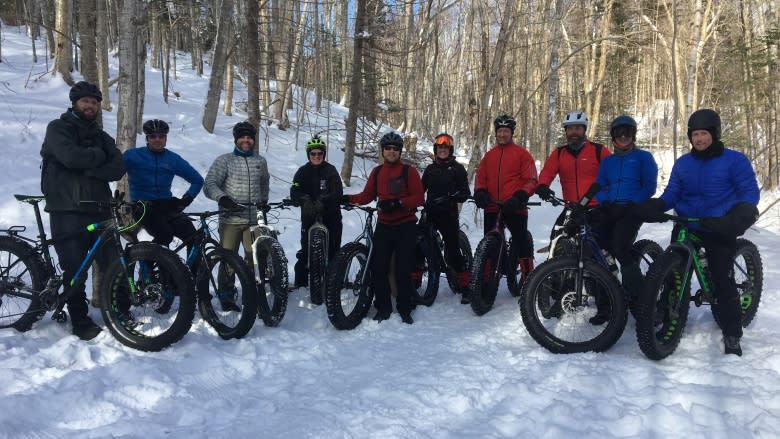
column 238, row 181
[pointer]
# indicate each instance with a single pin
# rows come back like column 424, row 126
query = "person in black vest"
column 446, row 184
column 317, row 188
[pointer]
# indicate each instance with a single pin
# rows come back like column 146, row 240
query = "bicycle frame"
column 687, row 243
column 367, row 236
column 49, row 296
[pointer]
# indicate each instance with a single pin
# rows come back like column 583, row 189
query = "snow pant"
column 396, row 240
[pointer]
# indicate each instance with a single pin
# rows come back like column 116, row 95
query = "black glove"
column 440, row 203
column 651, row 210
column 319, row 208
column 388, row 205
column 735, row 222
column 516, row 201
column 265, row 208
column 344, row 199
column 576, row 218
column 308, row 211
column 226, row 202
column 182, row 203
column 481, row 198
column 600, row 213
column 544, row 192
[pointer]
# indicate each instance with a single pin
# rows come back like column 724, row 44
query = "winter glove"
column 182, row 203
column 651, row 210
column 308, row 211
column 544, row 192
column 226, row 202
column 264, row 207
column 438, row 204
column 387, row 206
column 344, row 199
column 481, row 198
column 735, row 222
column 516, row 201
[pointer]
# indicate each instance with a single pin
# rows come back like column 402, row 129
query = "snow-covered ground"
column 451, row 374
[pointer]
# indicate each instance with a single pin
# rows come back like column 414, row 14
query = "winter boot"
column 526, row 267
column 464, row 280
column 406, row 317
column 301, row 271
column 731, row 344
column 227, row 299
column 84, row 328
column 381, row 315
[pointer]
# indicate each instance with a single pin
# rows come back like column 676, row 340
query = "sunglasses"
column 156, row 136
column 316, row 153
column 442, row 145
column 392, row 148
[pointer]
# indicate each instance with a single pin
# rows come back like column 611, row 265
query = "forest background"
column 425, row 66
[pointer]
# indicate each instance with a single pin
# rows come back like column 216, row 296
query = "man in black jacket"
column 317, row 188
column 79, row 160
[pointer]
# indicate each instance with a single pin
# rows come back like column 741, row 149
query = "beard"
column 575, row 141
column 89, row 115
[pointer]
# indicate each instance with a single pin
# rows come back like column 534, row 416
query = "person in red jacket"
column 507, row 173
column 399, row 191
column 576, row 163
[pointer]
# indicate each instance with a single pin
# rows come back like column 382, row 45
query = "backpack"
column 598, row 146
column 404, row 177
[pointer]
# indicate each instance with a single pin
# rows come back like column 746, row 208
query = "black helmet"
column 705, row 119
column 156, row 126
column 391, row 138
column 244, row 129
column 621, row 121
column 83, row 89
column 505, row 120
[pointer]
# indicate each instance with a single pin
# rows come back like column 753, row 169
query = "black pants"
column 72, row 242
column 721, row 251
column 163, row 221
column 618, row 235
column 447, row 225
column 396, row 239
column 518, row 228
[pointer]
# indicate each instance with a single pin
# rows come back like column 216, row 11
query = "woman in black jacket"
column 316, row 188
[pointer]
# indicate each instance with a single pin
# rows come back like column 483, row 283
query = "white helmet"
column 575, row 118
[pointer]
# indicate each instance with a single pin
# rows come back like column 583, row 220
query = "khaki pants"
column 230, row 235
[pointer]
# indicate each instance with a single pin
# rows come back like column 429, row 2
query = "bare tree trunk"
column 253, row 64
column 218, row 66
column 87, row 26
column 355, row 86
column 101, row 49
column 228, row 104
column 63, row 55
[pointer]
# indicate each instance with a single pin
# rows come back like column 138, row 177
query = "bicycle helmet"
column 576, row 118
column 505, row 120
column 623, row 121
column 244, row 129
column 705, row 119
column 315, row 143
column 391, row 138
column 83, row 89
column 155, row 126
column 444, row 139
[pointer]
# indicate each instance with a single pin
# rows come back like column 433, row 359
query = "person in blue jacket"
column 150, row 173
column 626, row 177
column 718, row 185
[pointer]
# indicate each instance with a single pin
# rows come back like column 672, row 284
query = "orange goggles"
column 443, row 141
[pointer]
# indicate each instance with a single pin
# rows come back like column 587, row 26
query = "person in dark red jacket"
column 576, row 164
column 399, row 192
column 507, row 173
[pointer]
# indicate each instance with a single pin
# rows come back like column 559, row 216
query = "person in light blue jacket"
column 150, row 173
column 626, row 177
column 718, row 185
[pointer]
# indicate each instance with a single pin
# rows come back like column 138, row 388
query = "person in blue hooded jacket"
column 150, row 173
column 626, row 177
column 718, row 185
